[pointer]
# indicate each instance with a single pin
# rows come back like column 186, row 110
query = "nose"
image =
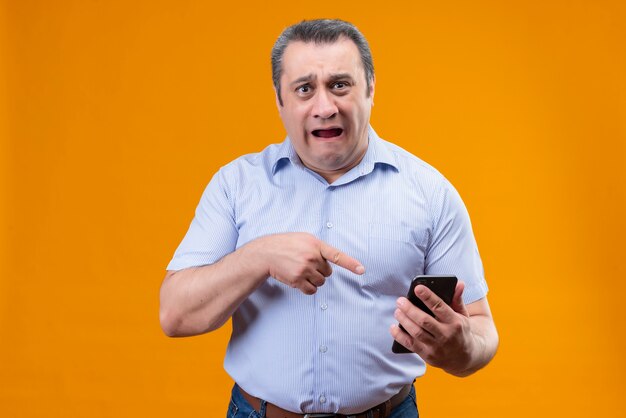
column 324, row 106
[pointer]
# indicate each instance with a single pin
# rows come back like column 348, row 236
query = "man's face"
column 326, row 106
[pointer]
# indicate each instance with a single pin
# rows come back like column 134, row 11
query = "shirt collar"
column 377, row 153
column 285, row 153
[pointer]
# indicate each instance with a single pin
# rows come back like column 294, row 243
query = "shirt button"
column 323, row 348
column 322, row 399
column 324, row 306
column 329, row 224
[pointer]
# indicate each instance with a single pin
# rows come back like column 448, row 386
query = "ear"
column 277, row 98
column 372, row 89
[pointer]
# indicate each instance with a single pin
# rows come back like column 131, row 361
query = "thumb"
column 457, row 300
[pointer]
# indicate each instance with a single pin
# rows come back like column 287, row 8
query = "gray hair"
column 320, row 31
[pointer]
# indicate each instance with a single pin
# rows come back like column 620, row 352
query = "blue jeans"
column 240, row 408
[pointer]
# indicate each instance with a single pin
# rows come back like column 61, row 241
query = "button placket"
column 327, row 234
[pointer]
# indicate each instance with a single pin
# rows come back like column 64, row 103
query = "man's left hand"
column 449, row 340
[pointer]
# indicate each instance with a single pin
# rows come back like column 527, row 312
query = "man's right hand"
column 302, row 261
column 200, row 299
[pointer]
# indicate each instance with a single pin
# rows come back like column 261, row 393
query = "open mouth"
column 327, row 133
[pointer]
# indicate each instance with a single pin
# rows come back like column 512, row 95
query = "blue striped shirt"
column 331, row 352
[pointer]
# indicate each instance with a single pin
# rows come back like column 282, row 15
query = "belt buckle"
column 320, row 415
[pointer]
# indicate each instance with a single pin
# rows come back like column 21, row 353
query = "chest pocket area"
column 395, row 255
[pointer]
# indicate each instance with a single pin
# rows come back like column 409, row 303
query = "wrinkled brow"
column 340, row 76
column 333, row 77
column 304, row 79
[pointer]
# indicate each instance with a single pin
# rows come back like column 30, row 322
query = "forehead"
column 302, row 58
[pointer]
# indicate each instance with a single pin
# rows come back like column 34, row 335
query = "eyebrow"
column 310, row 77
column 340, row 76
column 306, row 78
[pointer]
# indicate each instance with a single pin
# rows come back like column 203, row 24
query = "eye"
column 304, row 89
column 340, row 87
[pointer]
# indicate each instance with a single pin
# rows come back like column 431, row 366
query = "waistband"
column 381, row 410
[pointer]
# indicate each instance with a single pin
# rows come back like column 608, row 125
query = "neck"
column 333, row 175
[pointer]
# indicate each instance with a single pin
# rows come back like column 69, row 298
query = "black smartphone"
column 442, row 286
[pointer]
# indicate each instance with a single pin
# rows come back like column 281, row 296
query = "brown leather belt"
column 379, row 411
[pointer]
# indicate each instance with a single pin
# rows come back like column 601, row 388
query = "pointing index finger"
column 341, row 259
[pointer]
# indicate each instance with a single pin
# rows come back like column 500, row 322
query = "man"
column 309, row 245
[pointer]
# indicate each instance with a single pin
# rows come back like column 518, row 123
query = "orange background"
column 115, row 114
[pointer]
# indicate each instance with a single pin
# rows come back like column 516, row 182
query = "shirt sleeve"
column 213, row 232
column 452, row 248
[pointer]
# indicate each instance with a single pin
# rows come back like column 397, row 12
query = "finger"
column 405, row 339
column 457, row 300
column 307, row 288
column 324, row 268
column 317, row 279
column 412, row 328
column 341, row 259
column 439, row 308
column 419, row 317
column 401, row 336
